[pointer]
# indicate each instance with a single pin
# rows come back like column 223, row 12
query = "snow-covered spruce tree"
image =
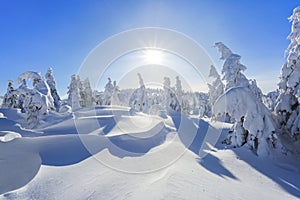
column 74, row 97
column 202, row 104
column 216, row 88
column 178, row 90
column 22, row 95
column 255, row 89
column 254, row 125
column 139, row 98
column 33, row 106
column 232, row 68
column 52, row 85
column 288, row 102
column 10, row 99
column 108, row 91
column 88, row 93
column 116, row 94
column 171, row 102
column 232, row 71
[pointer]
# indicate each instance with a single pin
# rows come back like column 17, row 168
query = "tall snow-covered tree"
column 232, row 68
column 74, row 97
column 216, row 88
column 88, row 93
column 52, row 85
column 116, row 94
column 108, row 91
column 10, row 99
column 232, row 71
column 171, row 102
column 178, row 89
column 288, row 102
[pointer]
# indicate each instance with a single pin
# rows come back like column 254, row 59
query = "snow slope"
column 120, row 154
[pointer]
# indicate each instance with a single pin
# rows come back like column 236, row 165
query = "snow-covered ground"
column 116, row 153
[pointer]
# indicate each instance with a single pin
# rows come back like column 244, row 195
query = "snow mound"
column 2, row 115
column 65, row 109
column 9, row 136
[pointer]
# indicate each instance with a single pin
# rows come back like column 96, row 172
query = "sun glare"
column 153, row 56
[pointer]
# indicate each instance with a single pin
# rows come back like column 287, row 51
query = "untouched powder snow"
column 123, row 155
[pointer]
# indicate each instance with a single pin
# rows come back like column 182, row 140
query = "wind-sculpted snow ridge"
column 131, row 154
column 58, row 147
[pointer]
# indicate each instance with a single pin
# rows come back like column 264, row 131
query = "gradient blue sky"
column 38, row 34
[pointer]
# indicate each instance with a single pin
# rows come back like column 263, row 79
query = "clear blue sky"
column 38, row 34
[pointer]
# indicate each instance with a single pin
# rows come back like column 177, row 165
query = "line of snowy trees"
column 170, row 99
column 80, row 93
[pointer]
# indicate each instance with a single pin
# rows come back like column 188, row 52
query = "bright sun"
column 153, row 56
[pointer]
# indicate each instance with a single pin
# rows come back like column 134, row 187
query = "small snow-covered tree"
column 254, row 124
column 52, row 85
column 288, row 103
column 10, row 99
column 33, row 105
column 170, row 99
column 116, row 94
column 23, row 88
column 108, row 91
column 74, row 97
column 178, row 89
column 270, row 99
column 139, row 98
column 255, row 89
column 88, row 93
column 216, row 88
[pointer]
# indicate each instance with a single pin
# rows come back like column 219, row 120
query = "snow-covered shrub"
column 270, row 99
column 253, row 125
column 39, row 86
column 35, row 106
column 288, row 103
column 52, row 85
